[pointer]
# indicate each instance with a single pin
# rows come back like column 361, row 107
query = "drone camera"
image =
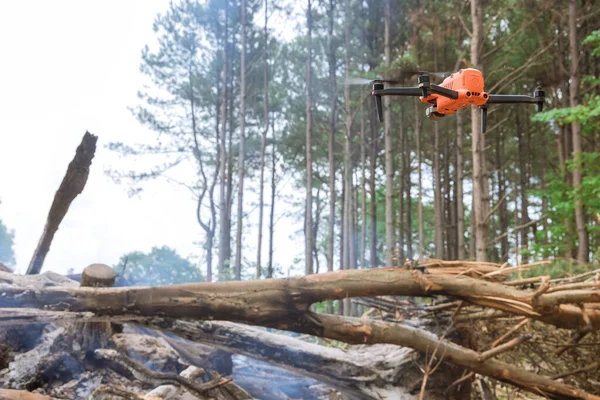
column 432, row 113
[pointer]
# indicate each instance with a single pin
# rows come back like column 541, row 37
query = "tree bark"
column 389, row 157
column 308, row 209
column 242, row 154
column 481, row 197
column 582, row 233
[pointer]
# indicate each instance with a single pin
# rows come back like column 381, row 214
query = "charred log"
column 71, row 186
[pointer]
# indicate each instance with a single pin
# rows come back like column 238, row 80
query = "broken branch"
column 71, row 186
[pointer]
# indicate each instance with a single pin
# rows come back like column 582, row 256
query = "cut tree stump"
column 98, row 275
column 95, row 335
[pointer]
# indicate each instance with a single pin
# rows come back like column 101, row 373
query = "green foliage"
column 162, row 266
column 7, row 240
column 594, row 41
column 560, row 195
column 587, row 114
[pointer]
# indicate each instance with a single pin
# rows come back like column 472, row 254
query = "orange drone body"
column 468, row 83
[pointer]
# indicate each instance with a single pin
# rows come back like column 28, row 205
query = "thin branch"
column 516, row 228
column 498, row 204
column 592, row 367
column 504, row 347
column 462, row 22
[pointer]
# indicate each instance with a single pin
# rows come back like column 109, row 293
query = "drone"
column 459, row 90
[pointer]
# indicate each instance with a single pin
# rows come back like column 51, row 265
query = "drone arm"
column 442, row 91
column 401, row 91
column 379, row 91
column 537, row 98
column 511, row 98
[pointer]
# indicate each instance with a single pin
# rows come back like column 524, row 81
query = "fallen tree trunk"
column 268, row 302
column 360, row 372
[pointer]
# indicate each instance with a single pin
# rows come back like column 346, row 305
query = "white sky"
column 68, row 66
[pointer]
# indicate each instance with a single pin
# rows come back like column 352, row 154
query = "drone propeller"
column 402, row 77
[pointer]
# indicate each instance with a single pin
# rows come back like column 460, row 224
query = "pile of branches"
column 187, row 310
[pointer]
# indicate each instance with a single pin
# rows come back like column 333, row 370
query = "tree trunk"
column 349, row 259
column 373, row 191
column 389, row 157
column 437, row 200
column 272, row 211
column 563, row 152
column 242, row 154
column 523, row 187
column 544, row 210
column 502, row 210
column 420, row 183
column 363, row 187
column 315, row 229
column 401, row 190
column 224, row 228
column 460, row 207
column 308, row 209
column 263, row 144
column 582, row 233
column 330, row 151
column 481, row 197
column 407, row 153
